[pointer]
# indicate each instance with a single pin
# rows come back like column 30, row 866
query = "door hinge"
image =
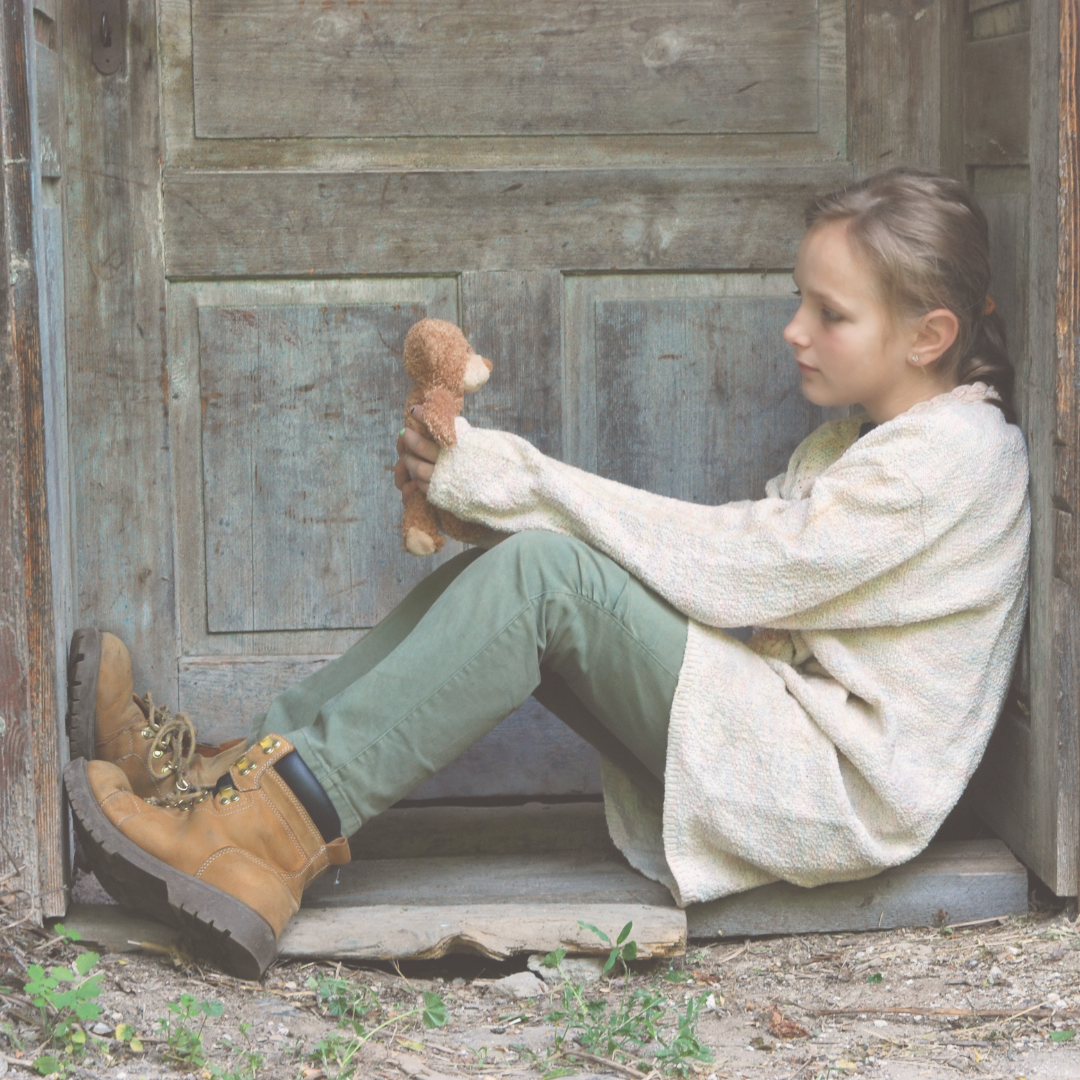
column 108, row 34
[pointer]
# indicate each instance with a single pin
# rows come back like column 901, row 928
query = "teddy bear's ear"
column 441, row 408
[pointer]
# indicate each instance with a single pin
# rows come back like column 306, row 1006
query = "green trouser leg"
column 539, row 613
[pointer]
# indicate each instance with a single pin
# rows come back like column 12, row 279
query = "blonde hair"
column 927, row 243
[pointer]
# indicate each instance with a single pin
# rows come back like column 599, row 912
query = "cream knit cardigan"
column 890, row 571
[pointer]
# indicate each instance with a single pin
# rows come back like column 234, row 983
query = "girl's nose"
column 794, row 334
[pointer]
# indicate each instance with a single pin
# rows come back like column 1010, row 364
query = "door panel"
column 442, row 221
column 298, row 513
column 482, row 67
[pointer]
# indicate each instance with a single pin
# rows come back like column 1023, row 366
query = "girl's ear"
column 934, row 335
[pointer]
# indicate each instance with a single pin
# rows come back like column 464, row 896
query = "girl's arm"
column 775, row 562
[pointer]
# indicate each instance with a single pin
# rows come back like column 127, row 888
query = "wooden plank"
column 315, row 152
column 418, row 933
column 1066, row 482
column 561, row 878
column 530, row 753
column 697, row 399
column 119, row 378
column 480, row 67
column 495, row 930
column 952, row 881
column 280, row 223
column 30, row 799
column 997, row 82
column 515, row 319
column 1026, row 788
column 904, row 107
column 47, row 92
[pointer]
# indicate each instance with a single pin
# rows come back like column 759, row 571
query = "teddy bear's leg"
column 420, row 533
column 468, row 532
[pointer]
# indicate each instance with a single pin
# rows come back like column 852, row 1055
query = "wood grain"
column 904, row 92
column 697, row 399
column 118, row 375
column 436, row 881
column 269, row 69
column 997, row 91
column 301, row 521
column 240, row 224
column 1026, row 788
column 29, row 748
column 1066, row 482
column 952, row 881
column 515, row 319
column 498, row 931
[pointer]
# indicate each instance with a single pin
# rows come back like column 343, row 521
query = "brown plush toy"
column 443, row 368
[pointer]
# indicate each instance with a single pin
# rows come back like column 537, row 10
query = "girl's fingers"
column 419, row 469
column 418, row 446
column 401, row 474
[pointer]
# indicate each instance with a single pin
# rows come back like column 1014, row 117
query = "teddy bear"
column 444, row 368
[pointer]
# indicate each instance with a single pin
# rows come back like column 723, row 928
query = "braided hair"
column 927, row 242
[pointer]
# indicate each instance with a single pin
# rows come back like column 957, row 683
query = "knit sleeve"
column 769, row 562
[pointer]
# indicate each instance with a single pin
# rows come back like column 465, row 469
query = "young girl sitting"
column 884, row 572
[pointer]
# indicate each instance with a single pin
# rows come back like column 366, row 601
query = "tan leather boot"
column 106, row 720
column 229, row 870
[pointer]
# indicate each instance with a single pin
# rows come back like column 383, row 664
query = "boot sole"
column 84, row 662
column 232, row 935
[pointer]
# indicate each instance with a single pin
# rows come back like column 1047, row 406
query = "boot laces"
column 173, row 746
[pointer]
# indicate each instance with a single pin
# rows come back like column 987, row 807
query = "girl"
column 885, row 571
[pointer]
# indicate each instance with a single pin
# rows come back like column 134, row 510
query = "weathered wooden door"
column 606, row 195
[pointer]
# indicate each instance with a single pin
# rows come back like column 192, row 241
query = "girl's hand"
column 416, row 459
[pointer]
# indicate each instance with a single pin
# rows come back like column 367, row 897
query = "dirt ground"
column 998, row 1000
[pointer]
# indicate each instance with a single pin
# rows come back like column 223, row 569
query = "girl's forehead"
column 828, row 261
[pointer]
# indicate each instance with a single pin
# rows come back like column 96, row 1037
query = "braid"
column 986, row 360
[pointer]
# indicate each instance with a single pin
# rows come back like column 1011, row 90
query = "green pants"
column 538, row 614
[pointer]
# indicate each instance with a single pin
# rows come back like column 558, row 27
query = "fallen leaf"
column 785, row 1029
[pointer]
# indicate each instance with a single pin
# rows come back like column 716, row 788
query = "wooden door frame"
column 31, row 822
column 1066, row 472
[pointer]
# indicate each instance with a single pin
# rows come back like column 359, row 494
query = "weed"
column 343, row 999
column 635, row 1025
column 183, row 1041
column 620, row 953
column 64, row 998
column 337, row 1051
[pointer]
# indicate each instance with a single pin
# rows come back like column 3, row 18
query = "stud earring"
column 914, row 359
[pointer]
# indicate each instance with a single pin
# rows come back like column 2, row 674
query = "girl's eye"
column 829, row 315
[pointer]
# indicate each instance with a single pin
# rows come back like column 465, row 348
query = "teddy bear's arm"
column 441, row 408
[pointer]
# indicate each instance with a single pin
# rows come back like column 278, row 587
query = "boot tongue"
column 312, row 795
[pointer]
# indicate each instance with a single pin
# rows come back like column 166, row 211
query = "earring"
column 914, row 359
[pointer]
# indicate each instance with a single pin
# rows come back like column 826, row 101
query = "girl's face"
column 847, row 348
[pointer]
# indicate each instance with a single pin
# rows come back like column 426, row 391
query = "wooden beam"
column 950, row 882
column 400, row 932
column 30, row 800
column 1066, row 491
